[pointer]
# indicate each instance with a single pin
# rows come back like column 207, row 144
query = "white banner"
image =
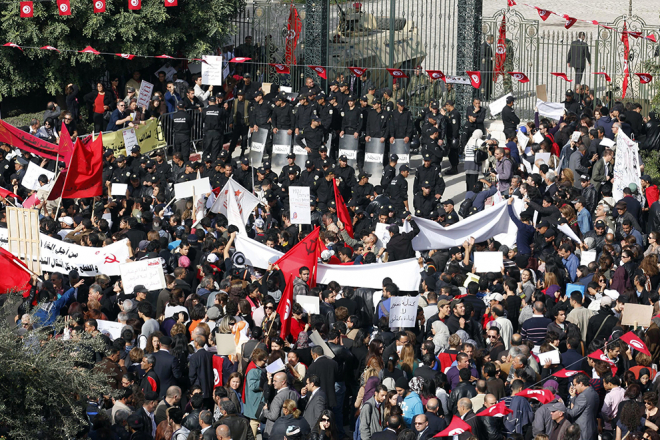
column 212, row 70
column 58, row 256
column 299, row 205
column 146, row 90
column 185, row 189
column 31, row 177
column 244, row 198
column 552, row 110
column 498, row 105
column 148, row 273
column 403, row 311
column 626, row 166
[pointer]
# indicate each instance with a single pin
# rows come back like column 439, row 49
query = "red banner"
column 99, row 6
column 521, row 77
column 561, row 75
column 570, row 21
column 127, row 56
column 475, row 78
column 27, row 9
column 543, row 13
column 294, row 27
column 500, row 50
column 134, row 5
column 90, row 49
column 397, row 73
column 320, row 71
column 25, row 141
column 626, row 55
column 644, row 78
column 280, row 68
column 13, row 45
column 357, row 71
column 170, row 3
column 607, row 77
column 49, row 48
column 436, row 74
column 64, row 7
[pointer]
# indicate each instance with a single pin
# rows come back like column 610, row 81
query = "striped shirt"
column 535, row 329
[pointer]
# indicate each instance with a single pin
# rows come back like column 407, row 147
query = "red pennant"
column 342, row 210
column 498, row 410
column 543, row 13
column 357, row 71
column 607, row 77
column 566, row 373
column 521, row 77
column 294, row 27
column 99, row 6
column 543, row 396
column 436, row 74
column 500, row 50
column 510, row 3
column 239, row 60
column 456, row 427
column 284, row 307
column 13, row 45
column 15, row 273
column 167, row 57
column 171, row 3
column 634, row 34
column 302, row 254
column 561, row 75
column 50, row 48
column 631, row 338
column 397, row 73
column 89, row 49
column 280, row 68
column 475, row 78
column 320, row 71
column 644, row 78
column 83, row 178
column 127, row 56
column 64, row 7
column 651, row 37
column 4, row 193
column 626, row 55
column 27, row 9
column 134, row 5
column 598, row 354
column 570, row 21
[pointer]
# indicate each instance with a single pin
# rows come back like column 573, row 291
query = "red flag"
column 302, row 254
column 510, row 3
column 498, row 410
column 25, row 141
column 631, row 339
column 217, row 371
column 607, row 77
column 521, row 77
column 4, row 193
column 436, row 74
column 570, row 21
column 319, row 250
column 90, row 49
column 66, row 145
column 500, row 50
column 566, row 373
column 634, row 34
column 342, row 210
column 280, row 68
column 475, row 78
column 626, row 54
column 598, row 354
column 294, row 27
column 84, row 175
column 651, row 37
column 561, row 75
column 167, row 57
column 31, row 201
column 15, row 275
column 543, row 396
column 239, row 60
column 456, row 427
column 50, row 48
column 13, row 45
column 284, row 307
column 644, row 78
column 134, row 5
column 357, row 71
column 544, row 14
column 397, row 73
column 64, row 6
column 27, row 9
column 170, row 3
column 127, row 56
column 320, row 71
column 99, row 6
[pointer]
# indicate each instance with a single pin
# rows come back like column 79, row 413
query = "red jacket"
column 652, row 194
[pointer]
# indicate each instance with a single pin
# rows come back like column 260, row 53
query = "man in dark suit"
column 314, row 401
column 571, row 359
column 486, row 64
column 578, row 56
column 326, row 370
column 205, row 421
column 239, row 425
column 167, row 366
column 201, row 368
column 584, row 409
column 146, row 413
column 468, row 416
column 427, row 370
column 394, row 424
column 421, row 426
column 509, row 117
column 436, row 424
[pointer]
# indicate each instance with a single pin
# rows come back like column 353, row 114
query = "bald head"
column 490, row 400
column 464, row 405
column 222, row 432
column 279, row 380
column 432, row 405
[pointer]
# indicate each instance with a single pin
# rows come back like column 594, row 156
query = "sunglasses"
column 268, row 308
column 325, row 420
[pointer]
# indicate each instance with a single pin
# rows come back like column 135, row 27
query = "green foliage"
column 45, row 381
column 192, row 29
column 651, row 160
column 653, row 67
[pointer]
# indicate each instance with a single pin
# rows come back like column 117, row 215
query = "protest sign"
column 130, row 138
column 225, row 344
column 31, row 176
column 299, row 205
column 310, row 304
column 488, row 261
column 498, row 105
column 212, row 70
column 587, row 257
column 148, row 135
column 541, row 92
column 318, row 340
column 146, row 90
column 185, row 189
column 403, row 311
column 626, row 166
column 637, row 314
column 110, row 328
column 148, row 273
column 570, row 288
column 552, row 356
column 545, row 157
column 119, row 189
column 276, row 366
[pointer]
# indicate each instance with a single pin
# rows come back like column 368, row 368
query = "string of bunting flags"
column 98, row 6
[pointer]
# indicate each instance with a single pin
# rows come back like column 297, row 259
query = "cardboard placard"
column 225, row 344
column 148, row 273
column 552, row 356
column 318, row 340
column 185, row 189
column 310, row 304
column 130, row 138
column 265, row 87
column 31, row 177
column 146, row 90
column 119, row 189
column 637, row 314
column 275, row 367
column 299, row 205
column 110, row 328
column 488, row 261
column 587, row 257
column 541, row 92
column 212, row 68
column 403, row 311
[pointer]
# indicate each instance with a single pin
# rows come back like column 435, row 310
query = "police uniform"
column 424, row 204
column 453, row 120
column 182, row 124
column 308, row 177
column 450, row 217
column 398, row 191
column 431, row 174
column 361, row 193
column 376, row 125
column 214, row 118
column 401, row 125
column 303, row 115
column 389, row 172
column 287, row 168
column 120, row 174
column 282, row 116
column 347, row 176
column 313, row 138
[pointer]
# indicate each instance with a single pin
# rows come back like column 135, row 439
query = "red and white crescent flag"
column 635, row 34
column 126, row 56
column 607, row 77
column 600, row 24
column 543, row 13
column 239, row 60
column 598, row 354
column 543, row 396
column 89, row 49
column 436, row 74
column 510, row 3
column 521, row 77
column 397, row 73
column 561, row 75
column 320, row 71
column 164, row 56
column 456, row 427
column 293, row 30
column 357, row 71
column 631, row 338
column 13, row 45
column 566, row 373
column 475, row 78
column 626, row 56
column 280, row 68
column 498, row 410
column 134, row 5
column 170, row 3
column 99, row 6
column 645, row 78
column 284, row 308
column 651, row 37
column 50, row 48
column 217, row 370
column 27, row 9
column 570, row 21
column 64, row 7
column 500, row 50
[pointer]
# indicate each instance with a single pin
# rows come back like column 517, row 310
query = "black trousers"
column 182, row 145
column 454, row 150
column 578, row 75
column 213, row 140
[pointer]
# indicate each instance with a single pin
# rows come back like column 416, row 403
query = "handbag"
column 107, row 114
column 259, row 415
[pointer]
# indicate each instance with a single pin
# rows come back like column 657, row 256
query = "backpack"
column 466, row 207
column 480, row 155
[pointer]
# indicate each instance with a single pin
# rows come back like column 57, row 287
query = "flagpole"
column 59, row 200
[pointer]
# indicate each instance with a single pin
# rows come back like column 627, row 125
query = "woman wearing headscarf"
column 472, row 167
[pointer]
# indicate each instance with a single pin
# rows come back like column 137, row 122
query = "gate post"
column 468, row 31
column 316, row 34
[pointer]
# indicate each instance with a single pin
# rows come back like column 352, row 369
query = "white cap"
column 495, row 296
column 66, row 220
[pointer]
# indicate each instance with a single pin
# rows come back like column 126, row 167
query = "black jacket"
column 463, row 389
column 326, row 369
column 601, row 324
column 509, row 118
column 400, row 245
column 493, row 427
column 167, row 369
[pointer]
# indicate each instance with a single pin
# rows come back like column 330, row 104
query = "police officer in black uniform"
column 218, row 173
column 362, row 190
column 323, row 159
column 313, row 137
column 451, row 215
column 162, row 167
column 309, row 175
column 291, row 157
column 398, row 190
column 303, row 115
column 424, row 201
column 182, row 124
column 347, row 176
column 376, row 124
column 401, row 124
column 427, row 172
column 351, row 122
column 214, row 118
column 282, row 115
column 243, row 173
column 325, row 112
column 509, row 117
column 120, row 173
column 389, row 172
column 324, row 190
column 453, row 121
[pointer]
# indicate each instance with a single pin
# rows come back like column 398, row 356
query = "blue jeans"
column 340, row 393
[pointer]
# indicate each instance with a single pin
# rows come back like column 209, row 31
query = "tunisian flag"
column 456, row 427
column 475, row 78
column 294, row 27
column 15, row 273
column 631, row 339
column 342, row 210
column 217, row 371
column 626, row 54
column 64, row 6
column 500, row 51
column 302, row 254
column 83, row 178
column 284, row 307
column 498, row 410
column 320, row 71
column 4, row 193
